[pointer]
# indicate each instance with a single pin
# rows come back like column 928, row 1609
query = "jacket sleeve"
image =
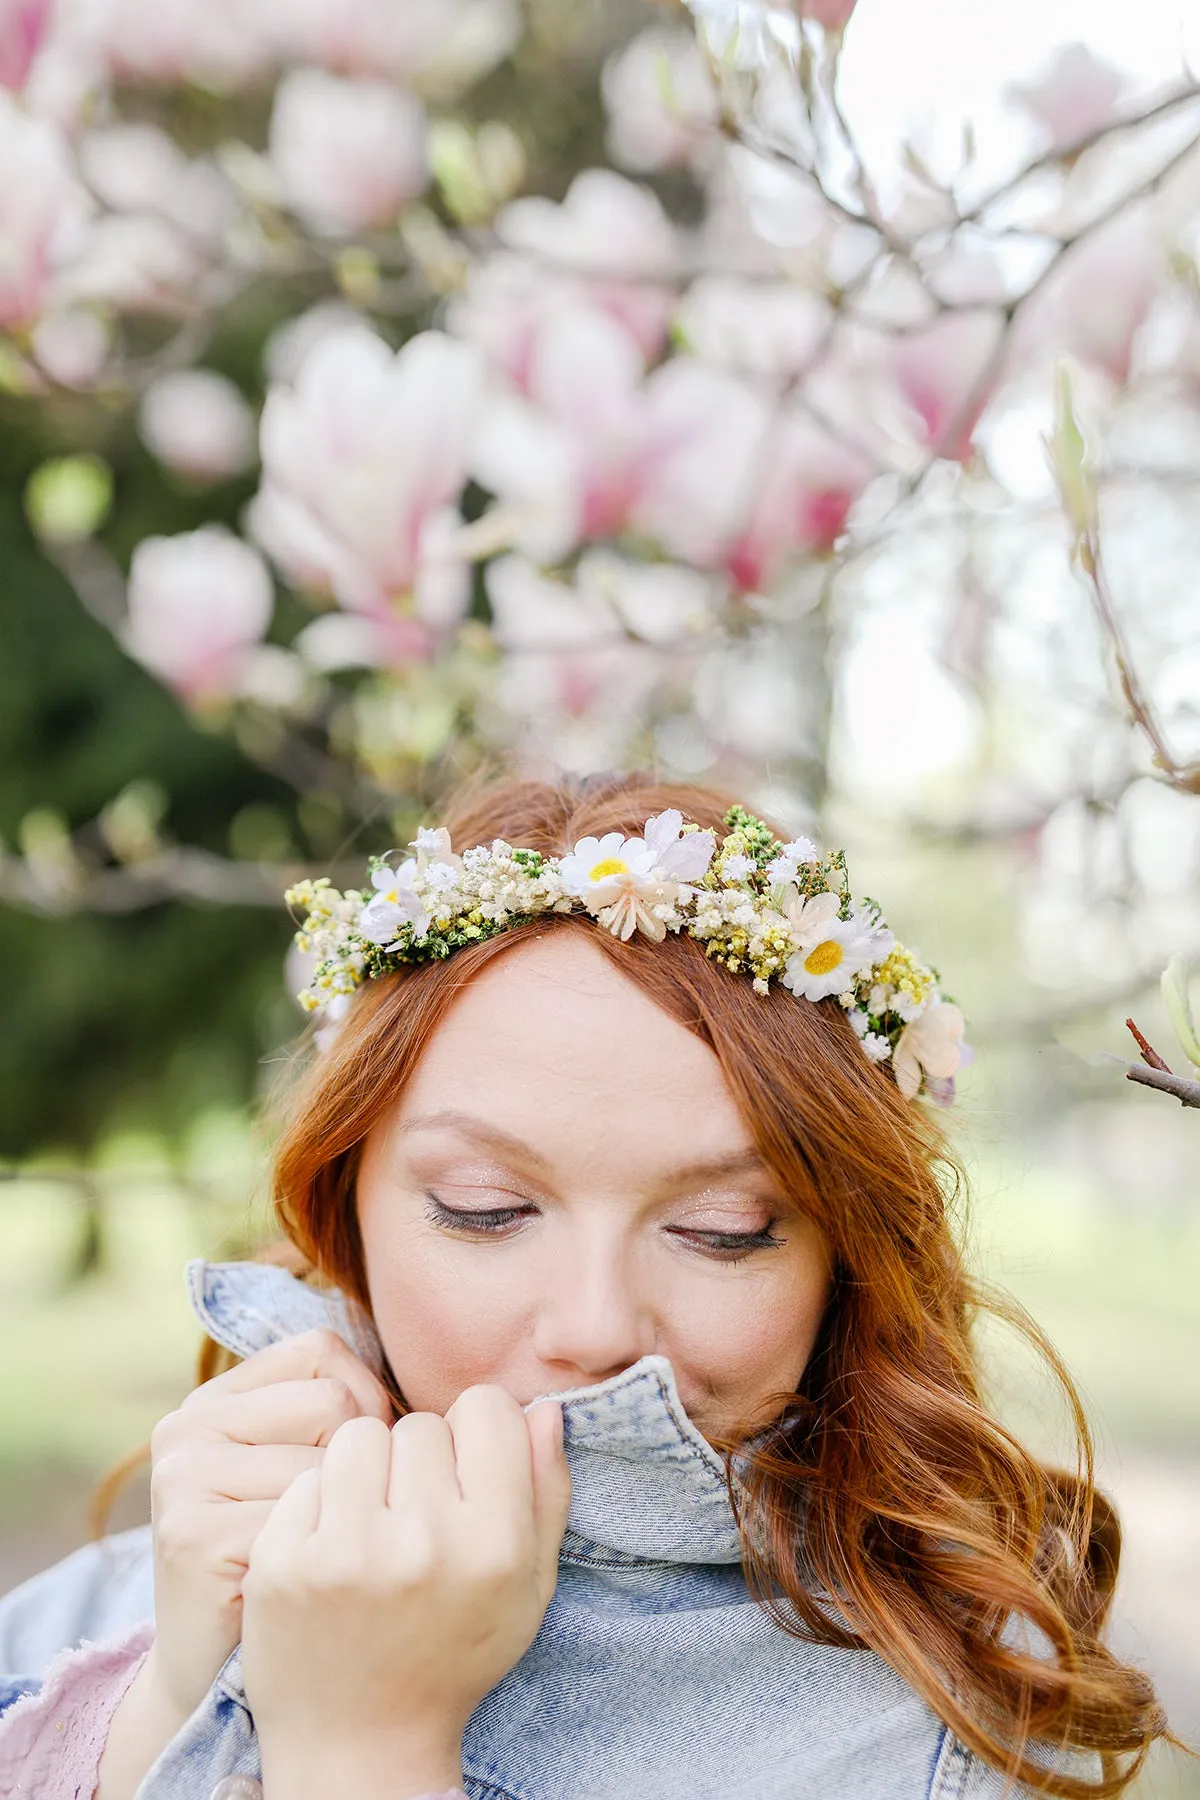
column 99, row 1592
column 52, row 1739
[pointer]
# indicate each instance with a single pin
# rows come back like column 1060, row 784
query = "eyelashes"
column 724, row 1246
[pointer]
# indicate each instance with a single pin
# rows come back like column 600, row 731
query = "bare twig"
column 1068, row 153
column 1183, row 776
column 1185, row 1091
column 1150, row 1055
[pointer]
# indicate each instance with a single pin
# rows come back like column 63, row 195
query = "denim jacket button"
column 237, row 1787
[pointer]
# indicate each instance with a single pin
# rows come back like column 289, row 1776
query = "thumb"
column 551, row 1485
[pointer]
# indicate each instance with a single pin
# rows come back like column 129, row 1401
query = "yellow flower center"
column 612, row 865
column 824, row 958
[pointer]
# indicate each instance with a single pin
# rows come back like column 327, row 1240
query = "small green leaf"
column 1071, row 460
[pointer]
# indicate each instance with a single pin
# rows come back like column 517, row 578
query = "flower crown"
column 771, row 910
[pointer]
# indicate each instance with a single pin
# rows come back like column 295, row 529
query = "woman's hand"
column 219, row 1465
column 394, row 1586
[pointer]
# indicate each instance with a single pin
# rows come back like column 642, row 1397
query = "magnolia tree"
column 614, row 401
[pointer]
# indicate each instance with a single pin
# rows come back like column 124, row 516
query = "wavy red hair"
column 885, row 1481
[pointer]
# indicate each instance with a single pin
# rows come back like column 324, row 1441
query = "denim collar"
column 646, row 1486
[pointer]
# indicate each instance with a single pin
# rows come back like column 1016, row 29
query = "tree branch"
column 1186, row 1091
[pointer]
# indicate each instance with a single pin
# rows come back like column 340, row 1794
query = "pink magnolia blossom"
column 71, row 346
column 947, row 372
column 199, row 424
column 1077, row 95
column 1097, row 300
column 363, row 461
column 137, row 264
column 139, row 169
column 807, row 484
column 437, row 45
column 688, row 456
column 444, row 42
column 832, row 16
column 534, row 612
column 661, row 100
column 609, row 598
column 578, row 452
column 510, row 302
column 198, row 606
column 23, row 28
column 43, row 213
column 608, row 245
column 575, row 709
column 757, row 327
column 155, row 248
column 223, row 44
column 348, row 153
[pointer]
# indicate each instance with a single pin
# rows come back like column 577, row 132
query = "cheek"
column 752, row 1336
column 444, row 1322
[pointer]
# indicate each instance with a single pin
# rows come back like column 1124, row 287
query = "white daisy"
column 829, row 950
column 876, row 1046
column 619, row 879
column 600, row 870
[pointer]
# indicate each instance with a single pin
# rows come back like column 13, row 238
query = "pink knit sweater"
column 51, row 1742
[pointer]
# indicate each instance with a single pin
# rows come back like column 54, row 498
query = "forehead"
column 553, row 1043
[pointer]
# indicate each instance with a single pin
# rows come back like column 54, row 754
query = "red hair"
column 885, row 1481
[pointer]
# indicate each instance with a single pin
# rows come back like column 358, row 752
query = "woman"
column 619, row 1115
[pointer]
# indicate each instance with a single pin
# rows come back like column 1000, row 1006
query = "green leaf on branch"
column 1073, row 465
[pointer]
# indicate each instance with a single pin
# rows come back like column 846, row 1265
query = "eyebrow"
column 739, row 1162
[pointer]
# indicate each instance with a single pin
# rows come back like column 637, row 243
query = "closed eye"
column 726, row 1246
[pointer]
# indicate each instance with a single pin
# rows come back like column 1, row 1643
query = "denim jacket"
column 653, row 1674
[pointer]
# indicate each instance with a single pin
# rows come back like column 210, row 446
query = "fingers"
column 309, row 1356
column 232, row 1471
column 190, row 1538
column 422, row 1462
column 286, row 1412
column 294, row 1518
column 491, row 1449
column 551, row 1480
column 354, row 1480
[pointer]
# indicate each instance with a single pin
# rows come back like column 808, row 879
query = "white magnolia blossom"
column 661, row 100
column 198, row 604
column 198, row 423
column 348, row 153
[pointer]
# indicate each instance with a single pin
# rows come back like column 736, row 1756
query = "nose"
column 592, row 1322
